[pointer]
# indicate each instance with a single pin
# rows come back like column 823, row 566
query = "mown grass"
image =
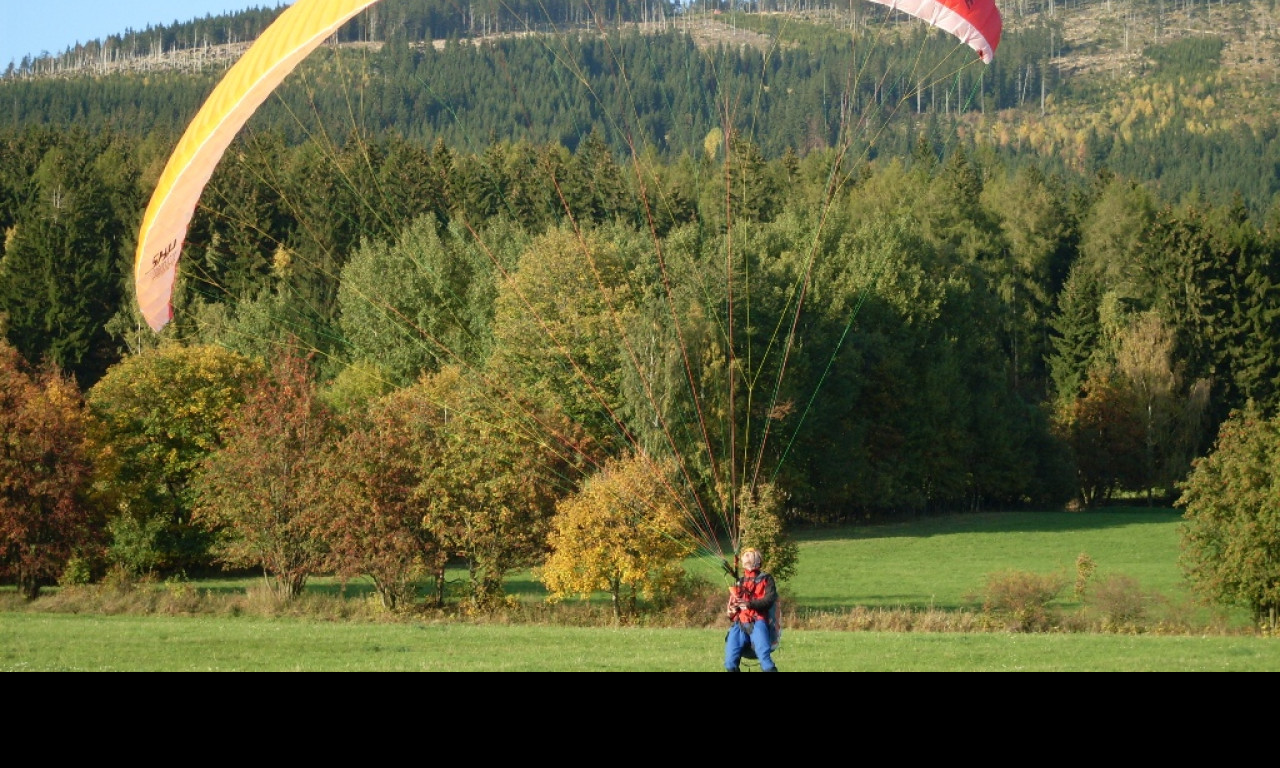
column 911, row 596
column 57, row 642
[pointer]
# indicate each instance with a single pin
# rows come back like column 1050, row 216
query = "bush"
column 762, row 528
column 78, row 572
column 1120, row 603
column 1085, row 566
column 1020, row 600
column 696, row 602
column 134, row 543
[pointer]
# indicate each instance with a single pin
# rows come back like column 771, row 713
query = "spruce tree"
column 62, row 277
column 1252, row 342
column 1076, row 328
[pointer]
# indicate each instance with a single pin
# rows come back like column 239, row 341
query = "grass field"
column 936, row 565
column 939, row 562
column 48, row 643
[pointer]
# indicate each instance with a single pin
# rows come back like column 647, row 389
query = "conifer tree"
column 61, row 277
column 1076, row 330
column 1253, row 338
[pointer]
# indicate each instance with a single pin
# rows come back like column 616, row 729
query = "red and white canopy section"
column 975, row 22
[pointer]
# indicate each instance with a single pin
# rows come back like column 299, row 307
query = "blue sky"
column 32, row 27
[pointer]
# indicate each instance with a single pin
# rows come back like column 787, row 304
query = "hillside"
column 1107, row 47
column 1100, row 39
column 1101, row 47
column 1177, row 96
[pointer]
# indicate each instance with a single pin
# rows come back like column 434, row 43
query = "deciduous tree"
column 621, row 534
column 1106, row 438
column 1170, row 412
column 259, row 492
column 494, row 466
column 44, row 521
column 1231, row 502
column 1111, row 234
column 416, row 304
column 376, row 526
column 559, row 328
column 1027, row 274
column 153, row 418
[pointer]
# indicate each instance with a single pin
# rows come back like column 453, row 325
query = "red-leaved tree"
column 375, row 526
column 260, row 491
column 43, row 474
column 1106, row 438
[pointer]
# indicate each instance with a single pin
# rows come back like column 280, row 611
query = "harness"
column 750, row 588
column 753, row 588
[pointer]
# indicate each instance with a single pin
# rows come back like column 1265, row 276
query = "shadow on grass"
column 925, row 526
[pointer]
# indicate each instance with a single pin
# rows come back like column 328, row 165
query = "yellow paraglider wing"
column 297, row 32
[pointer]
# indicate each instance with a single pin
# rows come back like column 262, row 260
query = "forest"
column 835, row 273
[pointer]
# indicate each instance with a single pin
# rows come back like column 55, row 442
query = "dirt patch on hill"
column 1102, row 40
column 713, row 32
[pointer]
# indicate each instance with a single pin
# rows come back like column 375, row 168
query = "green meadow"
column 939, row 562
column 853, row 583
column 62, row 643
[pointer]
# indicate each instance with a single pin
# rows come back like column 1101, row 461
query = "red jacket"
column 759, row 592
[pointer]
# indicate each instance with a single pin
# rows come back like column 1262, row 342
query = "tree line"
column 971, row 337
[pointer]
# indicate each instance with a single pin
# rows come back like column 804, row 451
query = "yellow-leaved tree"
column 153, row 418
column 622, row 533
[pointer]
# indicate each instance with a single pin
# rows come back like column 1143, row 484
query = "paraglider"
column 976, row 23
column 299, row 30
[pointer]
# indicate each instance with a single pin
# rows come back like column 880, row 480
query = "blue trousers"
column 759, row 640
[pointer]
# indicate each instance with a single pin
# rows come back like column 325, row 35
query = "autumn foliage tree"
column 558, row 329
column 493, row 467
column 43, row 474
column 153, row 418
column 377, row 527
column 622, row 534
column 1107, row 438
column 1170, row 411
column 259, row 492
